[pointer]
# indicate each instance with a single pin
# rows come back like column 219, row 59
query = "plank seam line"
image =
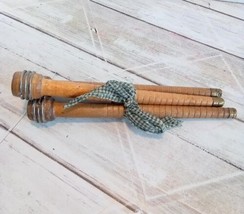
column 205, row 150
column 41, row 66
column 4, row 127
column 229, row 1
column 217, row 11
column 56, row 73
column 239, row 120
column 165, row 29
column 11, row 128
column 132, row 207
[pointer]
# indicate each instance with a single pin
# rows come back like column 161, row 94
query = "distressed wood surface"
column 229, row 7
column 157, row 174
column 196, row 23
column 30, row 182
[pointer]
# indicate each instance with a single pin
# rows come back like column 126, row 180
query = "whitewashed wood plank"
column 55, row 18
column 138, row 168
column 91, row 67
column 227, row 148
column 233, row 8
column 132, row 164
column 197, row 23
column 205, row 196
column 30, row 182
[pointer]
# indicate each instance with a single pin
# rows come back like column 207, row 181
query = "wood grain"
column 47, row 109
column 31, row 85
column 32, row 183
column 110, row 154
column 123, row 165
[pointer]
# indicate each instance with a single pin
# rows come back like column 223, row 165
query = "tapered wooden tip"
column 41, row 110
column 27, row 85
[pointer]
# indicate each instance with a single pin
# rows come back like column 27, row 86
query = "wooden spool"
column 47, row 109
column 30, row 85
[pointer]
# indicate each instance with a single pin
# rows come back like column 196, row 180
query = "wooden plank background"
column 106, row 165
column 232, row 8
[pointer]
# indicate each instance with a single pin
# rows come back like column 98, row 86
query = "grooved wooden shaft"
column 211, row 92
column 46, row 109
column 29, row 85
column 162, row 98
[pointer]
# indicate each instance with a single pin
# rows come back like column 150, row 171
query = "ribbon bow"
column 123, row 92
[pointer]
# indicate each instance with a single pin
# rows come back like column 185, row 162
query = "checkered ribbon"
column 122, row 92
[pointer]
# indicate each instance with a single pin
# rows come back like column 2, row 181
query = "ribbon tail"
column 150, row 123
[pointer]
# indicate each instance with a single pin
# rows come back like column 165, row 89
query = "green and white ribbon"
column 123, row 92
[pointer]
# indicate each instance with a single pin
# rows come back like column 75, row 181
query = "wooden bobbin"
column 47, row 109
column 30, row 85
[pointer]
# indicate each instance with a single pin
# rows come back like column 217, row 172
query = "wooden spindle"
column 47, row 109
column 29, row 85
